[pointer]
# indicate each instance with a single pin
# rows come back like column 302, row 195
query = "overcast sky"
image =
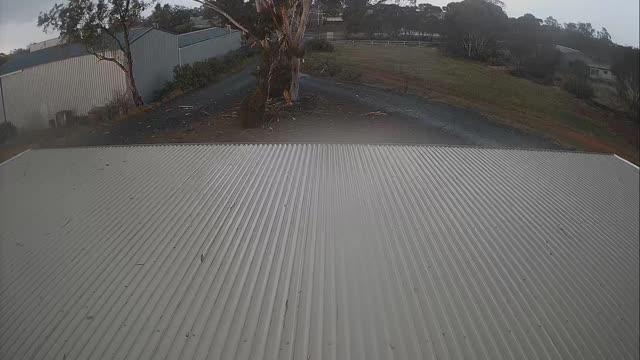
column 621, row 17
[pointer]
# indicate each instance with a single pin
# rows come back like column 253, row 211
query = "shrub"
column 349, row 74
column 7, row 131
column 323, row 67
column 577, row 81
column 578, row 87
column 200, row 74
column 328, row 67
column 118, row 105
column 629, row 92
column 317, row 44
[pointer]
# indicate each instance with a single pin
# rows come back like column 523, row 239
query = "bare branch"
column 101, row 57
column 106, row 30
column 214, row 7
column 302, row 25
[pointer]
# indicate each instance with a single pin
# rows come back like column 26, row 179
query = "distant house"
column 54, row 77
column 597, row 71
column 332, row 28
column 333, row 19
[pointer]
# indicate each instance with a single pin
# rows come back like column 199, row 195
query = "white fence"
column 386, row 43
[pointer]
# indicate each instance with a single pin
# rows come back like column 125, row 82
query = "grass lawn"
column 493, row 92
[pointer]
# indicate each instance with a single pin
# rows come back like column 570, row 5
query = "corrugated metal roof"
column 200, row 35
column 318, row 252
column 44, row 56
column 567, row 50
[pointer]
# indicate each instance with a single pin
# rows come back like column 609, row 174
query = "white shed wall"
column 2, row 119
column 211, row 48
column 34, row 95
column 155, row 54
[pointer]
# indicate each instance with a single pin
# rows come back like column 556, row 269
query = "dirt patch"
column 315, row 119
column 7, row 153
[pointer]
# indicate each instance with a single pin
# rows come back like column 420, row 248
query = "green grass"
column 493, row 92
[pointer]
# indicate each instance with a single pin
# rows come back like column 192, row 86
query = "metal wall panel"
column 211, row 48
column 34, row 95
column 200, row 35
column 155, row 54
column 318, row 252
column 2, row 118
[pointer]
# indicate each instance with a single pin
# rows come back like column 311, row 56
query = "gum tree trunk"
column 295, row 79
column 135, row 95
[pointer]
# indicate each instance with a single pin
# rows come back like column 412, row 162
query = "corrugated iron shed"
column 56, row 53
column 200, row 35
column 318, row 252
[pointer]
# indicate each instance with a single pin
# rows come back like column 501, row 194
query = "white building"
column 56, row 77
column 597, row 71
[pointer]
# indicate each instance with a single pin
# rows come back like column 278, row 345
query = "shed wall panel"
column 2, row 118
column 155, row 54
column 36, row 94
column 211, row 48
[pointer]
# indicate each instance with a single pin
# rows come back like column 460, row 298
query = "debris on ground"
column 185, row 107
column 375, row 113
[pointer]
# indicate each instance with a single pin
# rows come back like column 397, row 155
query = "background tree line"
column 481, row 30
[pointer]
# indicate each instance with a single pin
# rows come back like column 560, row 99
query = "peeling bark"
column 295, row 79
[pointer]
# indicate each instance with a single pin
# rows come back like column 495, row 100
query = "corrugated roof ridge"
column 341, row 143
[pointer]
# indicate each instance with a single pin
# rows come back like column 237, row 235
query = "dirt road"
column 424, row 121
column 447, row 124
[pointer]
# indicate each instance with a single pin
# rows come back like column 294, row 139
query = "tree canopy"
column 472, row 27
column 172, row 18
column 102, row 26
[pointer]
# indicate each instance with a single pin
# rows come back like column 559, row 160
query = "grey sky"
column 621, row 17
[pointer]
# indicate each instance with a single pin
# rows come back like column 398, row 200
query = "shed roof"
column 56, row 53
column 318, row 252
column 200, row 35
column 44, row 56
column 567, row 50
column 577, row 54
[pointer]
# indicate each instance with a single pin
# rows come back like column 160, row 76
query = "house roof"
column 567, row 50
column 318, row 251
column 582, row 56
column 56, row 53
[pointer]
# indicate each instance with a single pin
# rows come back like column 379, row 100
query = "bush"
column 7, row 131
column 328, row 67
column 577, row 82
column 629, row 92
column 201, row 73
column 317, row 44
column 198, row 74
column 578, row 87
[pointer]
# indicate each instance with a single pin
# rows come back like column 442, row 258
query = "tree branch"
column 101, row 57
column 302, row 25
column 210, row 5
column 104, row 28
